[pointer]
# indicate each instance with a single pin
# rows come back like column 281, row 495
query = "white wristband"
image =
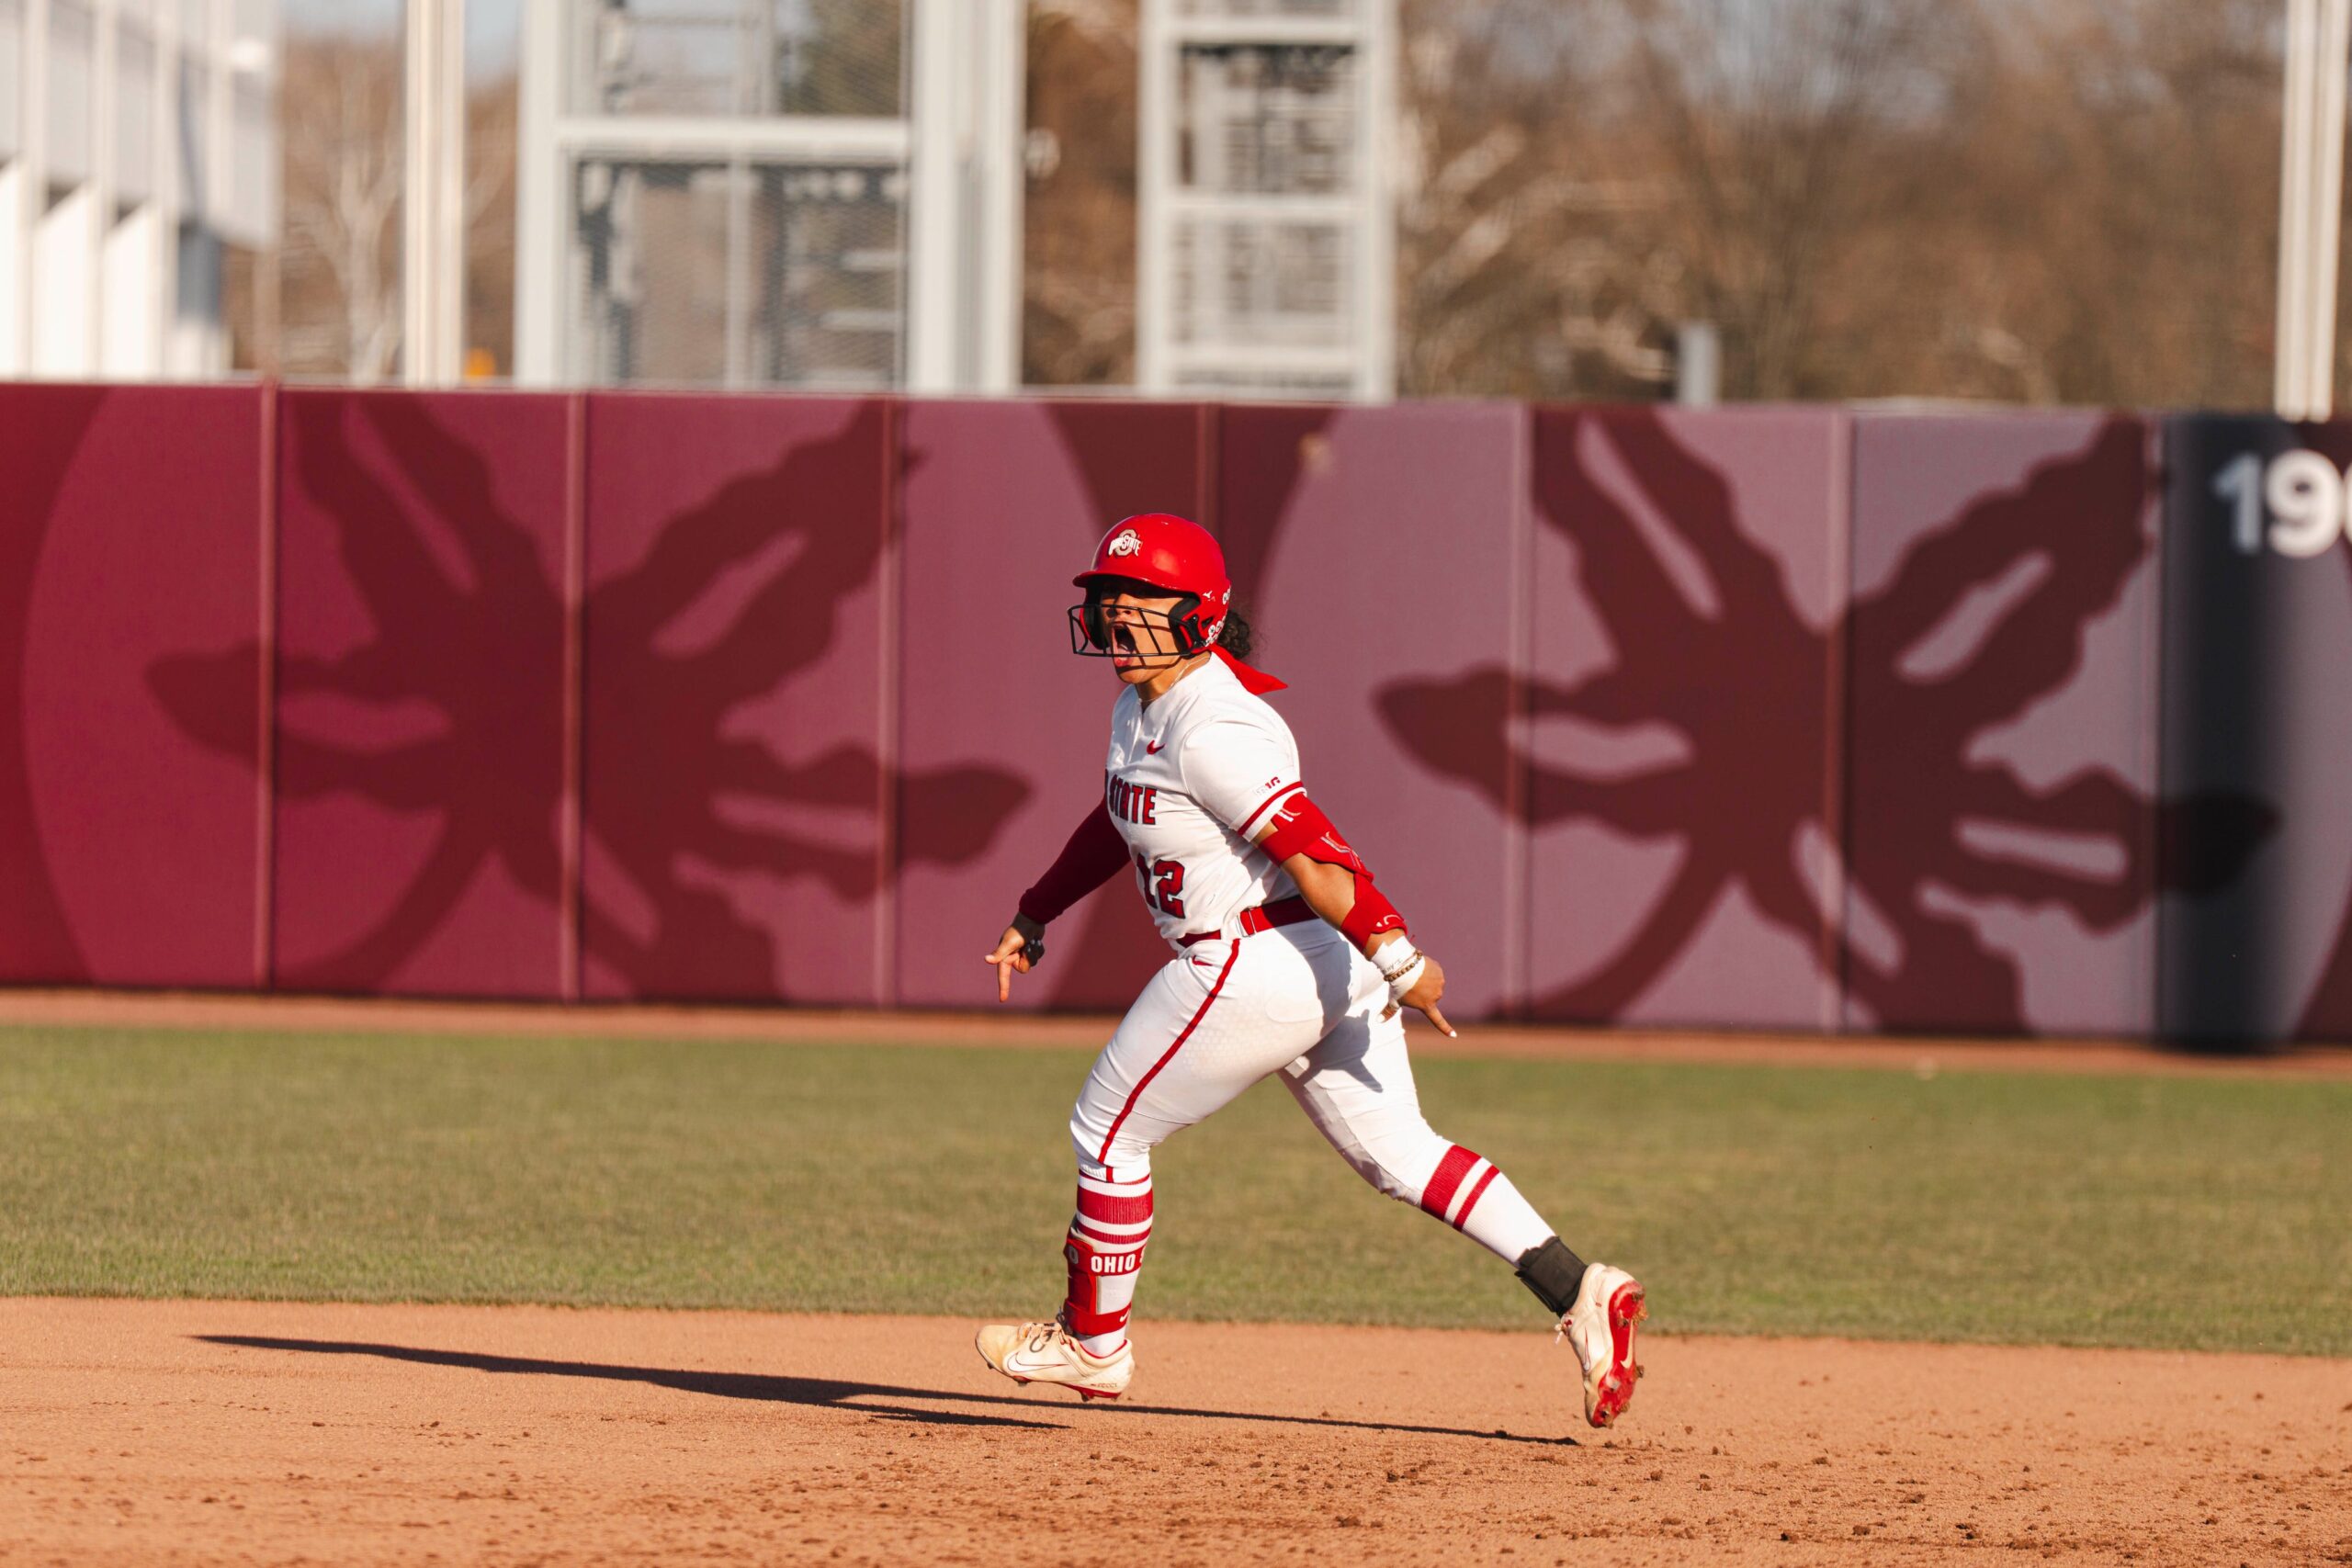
column 1405, row 979
column 1393, row 958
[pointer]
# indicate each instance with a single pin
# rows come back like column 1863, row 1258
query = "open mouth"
column 1123, row 647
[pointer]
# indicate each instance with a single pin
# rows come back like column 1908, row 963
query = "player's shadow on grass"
column 827, row 1391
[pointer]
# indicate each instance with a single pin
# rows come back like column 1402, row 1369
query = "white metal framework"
column 784, row 193
column 137, row 137
column 2311, row 193
column 964, row 241
column 1266, row 246
column 433, row 195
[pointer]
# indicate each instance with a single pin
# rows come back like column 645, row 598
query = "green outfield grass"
column 2190, row 1213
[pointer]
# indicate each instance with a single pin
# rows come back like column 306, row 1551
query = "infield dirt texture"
column 178, row 1430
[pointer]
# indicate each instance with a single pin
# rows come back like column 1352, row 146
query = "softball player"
column 1287, row 959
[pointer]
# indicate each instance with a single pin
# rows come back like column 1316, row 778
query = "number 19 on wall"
column 2295, row 501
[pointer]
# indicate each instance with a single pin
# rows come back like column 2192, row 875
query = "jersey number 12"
column 1163, row 884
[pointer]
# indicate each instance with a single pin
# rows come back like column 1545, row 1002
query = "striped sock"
column 1470, row 1194
column 1104, row 1251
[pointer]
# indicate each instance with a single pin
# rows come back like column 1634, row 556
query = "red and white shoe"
column 1046, row 1352
column 1600, row 1327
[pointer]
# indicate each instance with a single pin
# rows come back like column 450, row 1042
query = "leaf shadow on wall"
column 490, row 773
column 1743, row 683
column 706, row 795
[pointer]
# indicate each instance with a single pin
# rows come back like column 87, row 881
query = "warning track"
column 1004, row 1030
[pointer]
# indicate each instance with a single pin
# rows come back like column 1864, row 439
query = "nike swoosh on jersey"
column 1151, row 748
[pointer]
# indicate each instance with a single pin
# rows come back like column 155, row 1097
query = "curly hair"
column 1237, row 636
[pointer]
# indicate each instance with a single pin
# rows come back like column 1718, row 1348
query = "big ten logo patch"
column 2294, row 503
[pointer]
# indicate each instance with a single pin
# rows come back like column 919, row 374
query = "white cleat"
column 1600, row 1327
column 1046, row 1352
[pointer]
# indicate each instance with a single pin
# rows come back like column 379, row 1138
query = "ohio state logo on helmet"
column 1169, row 552
column 1155, row 550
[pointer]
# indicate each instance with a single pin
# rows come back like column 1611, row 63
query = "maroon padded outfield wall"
column 2004, row 725
column 1375, row 548
column 420, row 695
column 130, row 737
column 1682, row 736
column 1785, row 718
column 734, row 781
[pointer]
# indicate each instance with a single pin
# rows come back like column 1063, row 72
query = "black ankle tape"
column 1553, row 1272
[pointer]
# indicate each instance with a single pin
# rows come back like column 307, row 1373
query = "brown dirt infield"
column 188, row 1432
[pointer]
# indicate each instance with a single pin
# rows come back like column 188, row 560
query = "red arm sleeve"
column 1301, row 828
column 1094, row 855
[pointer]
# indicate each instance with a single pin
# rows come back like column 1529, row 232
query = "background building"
column 1266, row 256
column 1994, row 201
column 138, row 138
column 765, row 193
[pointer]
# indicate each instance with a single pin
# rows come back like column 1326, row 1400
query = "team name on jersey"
column 1131, row 803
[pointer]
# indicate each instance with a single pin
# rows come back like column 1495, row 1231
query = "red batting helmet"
column 1160, row 550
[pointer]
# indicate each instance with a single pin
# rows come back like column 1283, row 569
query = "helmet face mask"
column 1153, row 635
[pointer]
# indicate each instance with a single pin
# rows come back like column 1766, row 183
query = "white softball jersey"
column 1188, row 778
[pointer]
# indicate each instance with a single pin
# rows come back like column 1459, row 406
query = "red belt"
column 1260, row 918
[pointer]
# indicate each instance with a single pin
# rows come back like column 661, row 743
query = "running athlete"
column 1287, row 959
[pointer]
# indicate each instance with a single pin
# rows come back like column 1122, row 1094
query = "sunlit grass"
column 2193, row 1213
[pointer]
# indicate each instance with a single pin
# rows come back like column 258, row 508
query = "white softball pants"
column 1296, row 999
